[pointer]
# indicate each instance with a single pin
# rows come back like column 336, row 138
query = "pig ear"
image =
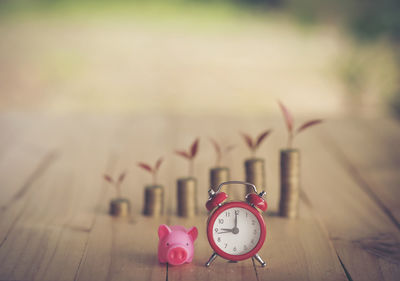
column 163, row 230
column 193, row 233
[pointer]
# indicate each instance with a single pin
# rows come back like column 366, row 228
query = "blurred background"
column 217, row 57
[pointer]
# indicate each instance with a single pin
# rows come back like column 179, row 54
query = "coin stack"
column 290, row 183
column 255, row 174
column 187, row 197
column 219, row 175
column 120, row 207
column 153, row 200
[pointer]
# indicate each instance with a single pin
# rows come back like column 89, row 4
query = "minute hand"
column 235, row 229
column 236, row 215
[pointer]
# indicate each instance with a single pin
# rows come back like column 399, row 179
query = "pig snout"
column 176, row 244
column 177, row 255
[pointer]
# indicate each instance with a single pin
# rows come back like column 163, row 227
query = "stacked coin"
column 120, row 207
column 219, row 175
column 290, row 183
column 153, row 200
column 187, row 197
column 255, row 174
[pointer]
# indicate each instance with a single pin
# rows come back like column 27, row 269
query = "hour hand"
column 227, row 229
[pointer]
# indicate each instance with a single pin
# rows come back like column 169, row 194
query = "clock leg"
column 260, row 260
column 211, row 259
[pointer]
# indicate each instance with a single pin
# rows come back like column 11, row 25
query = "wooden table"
column 53, row 201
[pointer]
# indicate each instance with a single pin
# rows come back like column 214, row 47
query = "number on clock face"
column 236, row 231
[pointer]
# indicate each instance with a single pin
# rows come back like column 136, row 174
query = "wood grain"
column 54, row 222
column 372, row 156
column 347, row 211
column 126, row 248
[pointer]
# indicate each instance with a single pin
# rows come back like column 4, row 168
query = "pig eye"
column 167, row 244
column 187, row 244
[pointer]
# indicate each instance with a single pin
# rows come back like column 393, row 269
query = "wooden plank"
column 299, row 250
column 48, row 240
column 349, row 214
column 23, row 159
column 126, row 249
column 386, row 180
column 22, row 152
column 122, row 250
column 87, row 158
column 295, row 249
column 371, row 155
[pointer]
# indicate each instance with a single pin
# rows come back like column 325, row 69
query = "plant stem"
column 290, row 140
column 154, row 178
column 117, row 186
column 218, row 162
column 190, row 167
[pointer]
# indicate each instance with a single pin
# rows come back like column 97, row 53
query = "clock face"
column 236, row 231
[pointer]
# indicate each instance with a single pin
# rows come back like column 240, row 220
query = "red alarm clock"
column 236, row 230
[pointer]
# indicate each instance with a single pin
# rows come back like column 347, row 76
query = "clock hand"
column 235, row 229
column 236, row 215
column 227, row 229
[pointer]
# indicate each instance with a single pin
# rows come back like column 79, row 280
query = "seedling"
column 116, row 183
column 290, row 124
column 152, row 170
column 253, row 145
column 220, row 151
column 190, row 154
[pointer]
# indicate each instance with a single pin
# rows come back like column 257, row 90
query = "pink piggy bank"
column 176, row 244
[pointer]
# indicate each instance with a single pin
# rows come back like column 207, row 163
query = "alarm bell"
column 215, row 199
column 257, row 200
